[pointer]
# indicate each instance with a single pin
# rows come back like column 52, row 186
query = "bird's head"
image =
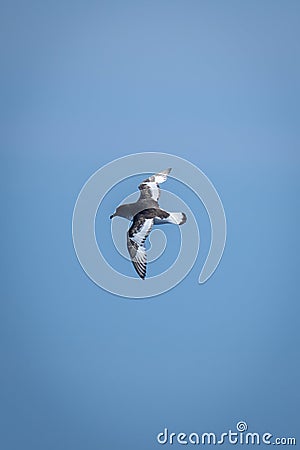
column 121, row 211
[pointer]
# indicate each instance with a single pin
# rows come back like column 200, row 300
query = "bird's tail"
column 178, row 218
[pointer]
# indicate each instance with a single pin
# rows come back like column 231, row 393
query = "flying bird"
column 145, row 213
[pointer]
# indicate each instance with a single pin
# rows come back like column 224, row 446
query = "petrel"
column 145, row 213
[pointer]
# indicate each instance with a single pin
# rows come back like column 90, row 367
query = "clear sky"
column 83, row 83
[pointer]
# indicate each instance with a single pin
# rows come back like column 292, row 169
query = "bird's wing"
column 150, row 187
column 136, row 236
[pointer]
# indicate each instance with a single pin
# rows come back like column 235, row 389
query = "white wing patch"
column 150, row 187
column 136, row 237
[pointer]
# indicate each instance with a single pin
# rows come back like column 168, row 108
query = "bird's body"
column 145, row 213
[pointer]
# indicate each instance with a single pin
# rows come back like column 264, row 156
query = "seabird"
column 145, row 213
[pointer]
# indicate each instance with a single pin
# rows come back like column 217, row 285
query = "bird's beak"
column 112, row 216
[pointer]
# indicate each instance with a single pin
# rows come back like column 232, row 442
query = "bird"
column 144, row 214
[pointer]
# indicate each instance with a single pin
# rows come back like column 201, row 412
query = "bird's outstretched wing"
column 150, row 187
column 136, row 236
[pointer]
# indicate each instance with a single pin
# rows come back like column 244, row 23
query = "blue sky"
column 83, row 83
